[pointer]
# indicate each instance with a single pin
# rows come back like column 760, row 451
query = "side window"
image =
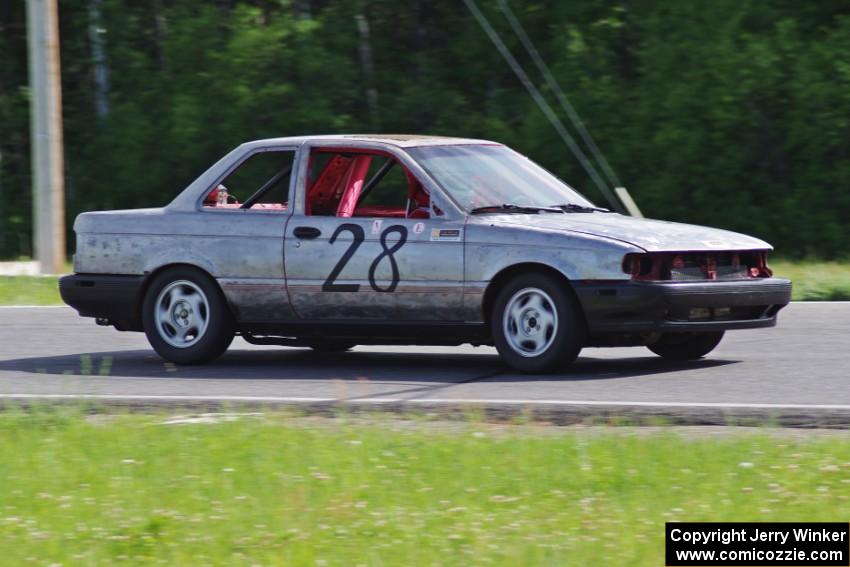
column 390, row 191
column 260, row 183
column 360, row 184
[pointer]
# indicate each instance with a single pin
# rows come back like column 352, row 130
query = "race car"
column 329, row 242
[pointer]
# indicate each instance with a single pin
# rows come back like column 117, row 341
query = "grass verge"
column 816, row 281
column 276, row 491
column 29, row 290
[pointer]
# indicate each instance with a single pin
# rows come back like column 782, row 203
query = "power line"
column 559, row 93
column 542, row 104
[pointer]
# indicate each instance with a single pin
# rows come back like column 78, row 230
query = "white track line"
column 424, row 401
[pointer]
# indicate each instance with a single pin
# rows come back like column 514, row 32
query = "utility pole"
column 46, row 136
column 101, row 71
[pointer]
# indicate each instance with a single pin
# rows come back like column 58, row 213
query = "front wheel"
column 537, row 324
column 685, row 346
column 186, row 318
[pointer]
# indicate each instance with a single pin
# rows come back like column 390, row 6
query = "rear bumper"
column 639, row 307
column 105, row 297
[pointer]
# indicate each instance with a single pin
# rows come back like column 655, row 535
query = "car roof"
column 399, row 140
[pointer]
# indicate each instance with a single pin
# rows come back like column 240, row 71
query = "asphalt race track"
column 795, row 374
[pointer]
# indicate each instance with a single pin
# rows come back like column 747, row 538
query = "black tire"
column 190, row 301
column 547, row 349
column 685, row 346
column 331, row 346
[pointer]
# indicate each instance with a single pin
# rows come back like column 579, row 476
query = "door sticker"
column 376, row 225
column 446, row 234
column 419, row 228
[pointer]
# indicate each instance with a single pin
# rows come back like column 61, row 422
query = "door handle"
column 306, row 232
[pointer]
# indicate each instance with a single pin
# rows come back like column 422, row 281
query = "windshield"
column 480, row 176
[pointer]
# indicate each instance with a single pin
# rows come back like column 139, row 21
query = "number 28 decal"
column 359, row 236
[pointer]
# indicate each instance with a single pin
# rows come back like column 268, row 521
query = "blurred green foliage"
column 733, row 113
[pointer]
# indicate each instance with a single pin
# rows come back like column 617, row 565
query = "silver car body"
column 446, row 268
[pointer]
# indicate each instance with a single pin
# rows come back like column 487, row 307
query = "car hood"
column 651, row 235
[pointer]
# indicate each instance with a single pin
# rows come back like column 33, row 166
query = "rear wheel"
column 537, row 324
column 685, row 346
column 186, row 318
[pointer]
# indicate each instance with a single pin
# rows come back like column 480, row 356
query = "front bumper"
column 640, row 307
column 113, row 300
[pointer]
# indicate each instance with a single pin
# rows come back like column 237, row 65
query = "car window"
column 484, row 175
column 260, row 183
column 391, row 189
column 359, row 184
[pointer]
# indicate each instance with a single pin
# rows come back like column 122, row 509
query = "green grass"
column 813, row 281
column 29, row 290
column 284, row 491
column 816, row 281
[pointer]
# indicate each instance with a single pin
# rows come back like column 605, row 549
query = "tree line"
column 731, row 113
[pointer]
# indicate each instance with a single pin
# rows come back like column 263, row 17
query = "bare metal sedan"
column 329, row 242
